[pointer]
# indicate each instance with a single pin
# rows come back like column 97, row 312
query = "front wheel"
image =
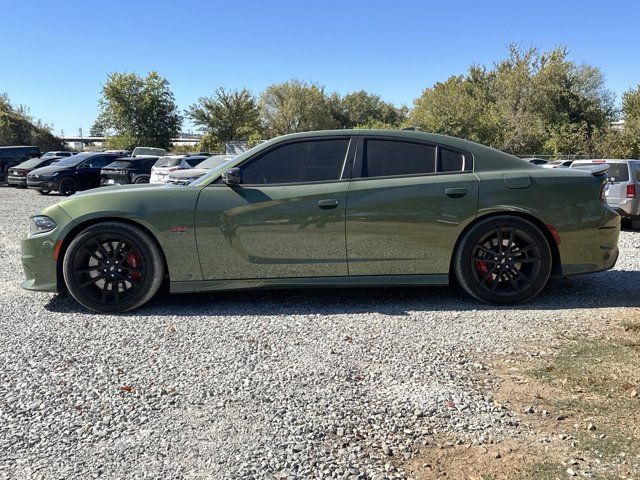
column 504, row 260
column 67, row 186
column 113, row 267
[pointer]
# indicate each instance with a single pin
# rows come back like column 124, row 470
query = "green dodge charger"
column 330, row 208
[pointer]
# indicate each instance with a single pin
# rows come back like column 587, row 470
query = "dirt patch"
column 579, row 411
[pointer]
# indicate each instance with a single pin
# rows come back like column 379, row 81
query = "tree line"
column 531, row 102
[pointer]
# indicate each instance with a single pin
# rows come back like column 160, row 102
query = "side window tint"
column 384, row 158
column 450, row 161
column 309, row 161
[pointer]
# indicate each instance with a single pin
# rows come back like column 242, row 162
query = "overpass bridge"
column 184, row 139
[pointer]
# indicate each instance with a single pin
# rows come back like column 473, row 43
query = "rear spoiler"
column 596, row 169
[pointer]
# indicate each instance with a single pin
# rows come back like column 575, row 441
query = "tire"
column 495, row 272
column 141, row 179
column 43, row 192
column 635, row 224
column 113, row 267
column 67, row 186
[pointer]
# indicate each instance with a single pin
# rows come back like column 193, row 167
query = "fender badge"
column 178, row 229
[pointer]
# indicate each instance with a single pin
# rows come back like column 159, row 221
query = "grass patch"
column 600, row 384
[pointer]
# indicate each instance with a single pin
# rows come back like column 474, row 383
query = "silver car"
column 188, row 175
column 623, row 189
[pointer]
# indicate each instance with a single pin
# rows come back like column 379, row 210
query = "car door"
column 286, row 218
column 407, row 203
column 88, row 173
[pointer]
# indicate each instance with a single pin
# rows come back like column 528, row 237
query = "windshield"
column 72, row 160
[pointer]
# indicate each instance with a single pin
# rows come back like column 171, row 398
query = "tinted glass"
column 386, row 157
column 619, row 172
column 34, row 162
column 638, row 173
column 190, row 162
column 310, row 161
column 98, row 162
column 450, row 161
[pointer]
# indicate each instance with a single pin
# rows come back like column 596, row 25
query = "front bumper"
column 37, row 253
column 42, row 184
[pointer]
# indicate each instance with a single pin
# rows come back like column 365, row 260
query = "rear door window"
column 385, row 158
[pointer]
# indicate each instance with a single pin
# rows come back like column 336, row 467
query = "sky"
column 55, row 55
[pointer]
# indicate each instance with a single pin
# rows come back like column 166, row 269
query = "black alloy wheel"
column 67, row 186
column 113, row 266
column 503, row 260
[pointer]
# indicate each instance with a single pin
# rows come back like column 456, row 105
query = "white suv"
column 623, row 187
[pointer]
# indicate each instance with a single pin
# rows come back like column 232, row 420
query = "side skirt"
column 309, row 282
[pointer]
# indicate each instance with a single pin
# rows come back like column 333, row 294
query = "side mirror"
column 231, row 177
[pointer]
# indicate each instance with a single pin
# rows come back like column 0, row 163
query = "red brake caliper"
column 133, row 260
column 482, row 268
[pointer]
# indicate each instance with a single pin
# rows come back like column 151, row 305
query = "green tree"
column 623, row 141
column 365, row 110
column 295, row 106
column 227, row 115
column 138, row 111
column 17, row 127
column 531, row 102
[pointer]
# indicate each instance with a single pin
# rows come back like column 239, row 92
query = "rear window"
column 168, row 162
column 119, row 164
column 618, row 172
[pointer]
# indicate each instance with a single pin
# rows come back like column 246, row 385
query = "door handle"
column 328, row 203
column 456, row 192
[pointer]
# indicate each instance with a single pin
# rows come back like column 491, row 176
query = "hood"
column 189, row 173
column 51, row 169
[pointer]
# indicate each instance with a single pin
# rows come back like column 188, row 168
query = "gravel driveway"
column 285, row 384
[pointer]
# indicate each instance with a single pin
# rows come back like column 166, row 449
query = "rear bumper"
column 17, row 180
column 627, row 208
column 599, row 249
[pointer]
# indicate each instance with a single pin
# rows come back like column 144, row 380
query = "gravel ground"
column 283, row 384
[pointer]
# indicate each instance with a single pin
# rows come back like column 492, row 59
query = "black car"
column 17, row 176
column 128, row 170
column 67, row 176
column 12, row 156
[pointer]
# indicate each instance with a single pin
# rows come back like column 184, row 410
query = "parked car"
column 623, row 188
column 148, row 151
column 17, row 176
column 122, row 153
column 311, row 209
column 58, row 154
column 558, row 164
column 170, row 163
column 127, row 170
column 188, row 175
column 12, row 156
column 537, row 161
column 69, row 175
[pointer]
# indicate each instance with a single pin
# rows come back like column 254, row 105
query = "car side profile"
column 128, row 170
column 72, row 174
column 330, row 208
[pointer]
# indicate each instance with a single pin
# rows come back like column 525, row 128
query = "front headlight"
column 41, row 224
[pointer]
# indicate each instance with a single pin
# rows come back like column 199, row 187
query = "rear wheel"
column 503, row 259
column 141, row 179
column 67, row 186
column 113, row 267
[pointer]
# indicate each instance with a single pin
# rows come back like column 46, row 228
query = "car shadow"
column 613, row 288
